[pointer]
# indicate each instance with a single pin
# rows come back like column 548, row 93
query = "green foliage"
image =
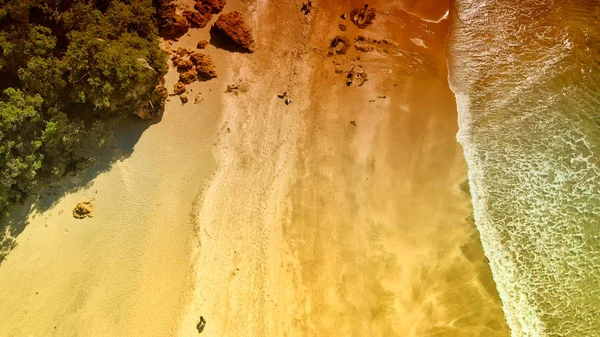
column 65, row 66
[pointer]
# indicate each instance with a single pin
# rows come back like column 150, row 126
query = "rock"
column 343, row 16
column 283, row 95
column 196, row 19
column 183, row 65
column 179, row 88
column 83, row 210
column 155, row 104
column 204, row 65
column 181, row 52
column 232, row 27
column 170, row 25
column 202, row 44
column 288, row 101
column 353, row 123
column 343, row 27
column 209, row 6
column 188, row 77
column 363, row 17
column 175, row 27
column 183, row 98
column 339, row 45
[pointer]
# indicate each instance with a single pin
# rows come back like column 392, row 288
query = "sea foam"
column 526, row 76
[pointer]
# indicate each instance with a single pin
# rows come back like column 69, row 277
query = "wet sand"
column 270, row 219
column 316, row 227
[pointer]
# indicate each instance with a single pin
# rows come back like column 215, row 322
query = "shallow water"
column 526, row 76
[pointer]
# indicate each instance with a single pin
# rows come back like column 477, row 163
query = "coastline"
column 270, row 219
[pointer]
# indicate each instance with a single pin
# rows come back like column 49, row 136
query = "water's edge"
column 524, row 75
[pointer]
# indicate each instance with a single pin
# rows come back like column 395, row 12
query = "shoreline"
column 339, row 214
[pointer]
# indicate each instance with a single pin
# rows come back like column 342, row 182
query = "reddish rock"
column 171, row 25
column 209, row 6
column 202, row 44
column 188, row 77
column 204, row 65
column 232, row 26
column 179, row 88
column 196, row 19
column 183, row 98
column 183, row 65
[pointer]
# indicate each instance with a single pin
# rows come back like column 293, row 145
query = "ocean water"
column 526, row 75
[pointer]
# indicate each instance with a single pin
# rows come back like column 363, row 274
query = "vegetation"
column 66, row 66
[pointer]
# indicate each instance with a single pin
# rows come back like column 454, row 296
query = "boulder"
column 154, row 105
column 209, row 6
column 179, row 88
column 171, row 25
column 83, row 210
column 204, row 65
column 232, row 27
column 197, row 20
column 202, row 44
column 183, row 65
column 188, row 77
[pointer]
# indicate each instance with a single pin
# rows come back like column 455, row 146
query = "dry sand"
column 304, row 225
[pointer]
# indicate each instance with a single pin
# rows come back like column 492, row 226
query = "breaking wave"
column 526, row 75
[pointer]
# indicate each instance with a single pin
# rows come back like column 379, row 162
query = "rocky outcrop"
column 206, row 7
column 83, row 210
column 197, row 20
column 179, row 88
column 170, row 24
column 154, row 105
column 202, row 44
column 183, row 65
column 232, row 27
column 204, row 65
column 188, row 77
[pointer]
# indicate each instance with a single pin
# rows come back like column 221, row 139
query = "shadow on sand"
column 125, row 133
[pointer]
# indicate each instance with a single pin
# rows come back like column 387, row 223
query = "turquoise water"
column 526, row 75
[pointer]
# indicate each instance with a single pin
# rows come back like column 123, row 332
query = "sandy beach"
column 340, row 214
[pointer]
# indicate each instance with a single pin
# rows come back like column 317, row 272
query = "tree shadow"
column 124, row 135
column 222, row 41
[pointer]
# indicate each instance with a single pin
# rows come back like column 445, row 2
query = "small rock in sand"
column 179, row 88
column 343, row 27
column 353, row 123
column 183, row 98
column 202, row 44
column 83, row 210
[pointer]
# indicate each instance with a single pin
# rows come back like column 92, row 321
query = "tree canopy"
column 65, row 66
